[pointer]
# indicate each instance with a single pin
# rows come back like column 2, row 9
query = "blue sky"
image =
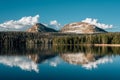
column 64, row 11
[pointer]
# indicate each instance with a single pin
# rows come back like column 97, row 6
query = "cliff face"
column 38, row 27
column 81, row 27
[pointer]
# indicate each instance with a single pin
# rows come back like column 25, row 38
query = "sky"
column 59, row 12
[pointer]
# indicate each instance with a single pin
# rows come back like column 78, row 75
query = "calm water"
column 59, row 63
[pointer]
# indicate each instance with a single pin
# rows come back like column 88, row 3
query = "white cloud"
column 22, row 62
column 24, row 22
column 92, row 65
column 54, row 62
column 55, row 24
column 95, row 22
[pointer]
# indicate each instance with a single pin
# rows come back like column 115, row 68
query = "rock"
column 38, row 27
column 81, row 27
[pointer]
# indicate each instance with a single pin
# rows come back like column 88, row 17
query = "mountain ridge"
column 39, row 27
column 81, row 27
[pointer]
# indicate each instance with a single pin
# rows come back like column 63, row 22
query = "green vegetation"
column 103, row 38
column 29, row 39
column 23, row 38
column 85, row 49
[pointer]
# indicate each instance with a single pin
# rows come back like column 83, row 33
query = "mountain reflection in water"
column 88, row 61
column 29, row 58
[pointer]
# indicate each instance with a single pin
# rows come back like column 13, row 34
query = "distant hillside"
column 38, row 27
column 81, row 27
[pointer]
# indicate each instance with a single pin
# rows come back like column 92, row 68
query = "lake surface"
column 43, row 62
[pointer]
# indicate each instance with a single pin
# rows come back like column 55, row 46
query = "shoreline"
column 106, row 45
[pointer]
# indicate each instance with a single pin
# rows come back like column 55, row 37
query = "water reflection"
column 23, row 62
column 89, row 57
column 25, row 58
column 88, row 61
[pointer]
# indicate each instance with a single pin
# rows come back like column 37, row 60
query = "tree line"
column 23, row 38
column 103, row 38
column 29, row 39
column 86, row 49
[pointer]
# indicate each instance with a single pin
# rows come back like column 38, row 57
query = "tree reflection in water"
column 28, row 58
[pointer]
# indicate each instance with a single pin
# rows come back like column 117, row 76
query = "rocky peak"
column 38, row 27
column 81, row 27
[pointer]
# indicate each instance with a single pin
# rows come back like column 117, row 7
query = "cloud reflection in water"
column 22, row 62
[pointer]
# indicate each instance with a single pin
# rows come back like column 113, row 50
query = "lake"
column 46, row 62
